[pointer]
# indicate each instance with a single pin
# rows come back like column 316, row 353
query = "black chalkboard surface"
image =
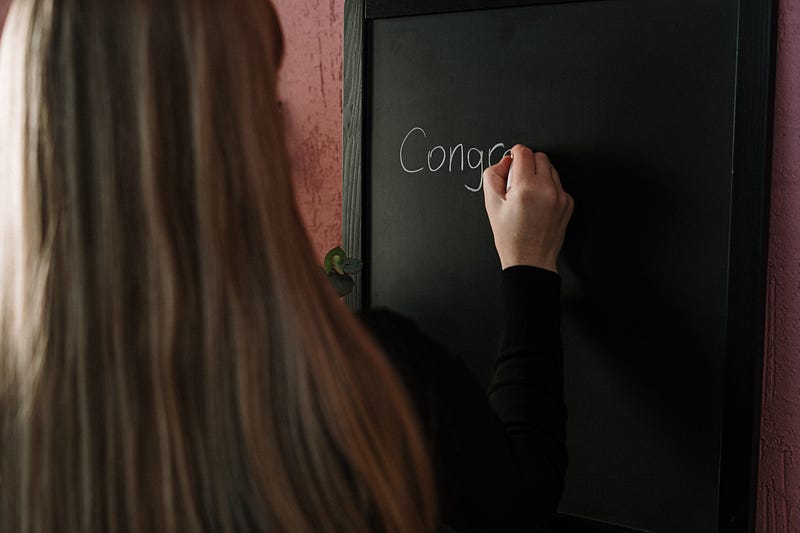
column 656, row 114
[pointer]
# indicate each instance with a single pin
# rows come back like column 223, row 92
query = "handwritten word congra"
column 416, row 155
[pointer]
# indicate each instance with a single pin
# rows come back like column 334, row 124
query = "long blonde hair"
column 171, row 359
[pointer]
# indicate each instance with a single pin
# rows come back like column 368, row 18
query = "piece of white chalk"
column 508, row 180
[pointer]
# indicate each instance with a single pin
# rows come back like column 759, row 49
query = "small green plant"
column 340, row 269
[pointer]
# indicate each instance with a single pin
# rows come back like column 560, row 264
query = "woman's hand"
column 530, row 218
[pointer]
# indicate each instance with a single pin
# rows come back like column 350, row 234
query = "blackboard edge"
column 752, row 166
column 352, row 145
column 376, row 9
column 566, row 523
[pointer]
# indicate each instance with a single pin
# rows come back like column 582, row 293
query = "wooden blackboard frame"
column 751, row 170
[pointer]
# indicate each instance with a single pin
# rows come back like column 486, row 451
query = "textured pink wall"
column 311, row 86
column 779, row 469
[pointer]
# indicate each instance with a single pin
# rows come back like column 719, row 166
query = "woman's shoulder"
column 468, row 445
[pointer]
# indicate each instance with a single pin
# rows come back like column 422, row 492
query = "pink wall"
column 779, row 469
column 311, row 83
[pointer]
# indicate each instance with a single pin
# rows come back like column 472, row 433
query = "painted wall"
column 779, row 469
column 311, row 85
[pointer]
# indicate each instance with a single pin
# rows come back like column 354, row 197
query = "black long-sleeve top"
column 499, row 458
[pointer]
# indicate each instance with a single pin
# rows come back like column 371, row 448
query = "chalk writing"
column 438, row 158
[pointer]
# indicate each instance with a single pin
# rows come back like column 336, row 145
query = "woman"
column 170, row 357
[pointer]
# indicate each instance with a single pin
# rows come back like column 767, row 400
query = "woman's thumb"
column 494, row 179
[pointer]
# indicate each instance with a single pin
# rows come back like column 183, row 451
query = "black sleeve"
column 499, row 463
column 527, row 387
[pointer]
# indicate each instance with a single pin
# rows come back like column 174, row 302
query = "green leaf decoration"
column 351, row 265
column 338, row 268
column 337, row 263
column 333, row 261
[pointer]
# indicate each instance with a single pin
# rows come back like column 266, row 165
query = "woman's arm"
column 527, row 387
column 529, row 217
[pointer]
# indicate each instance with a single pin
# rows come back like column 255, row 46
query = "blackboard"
column 657, row 115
